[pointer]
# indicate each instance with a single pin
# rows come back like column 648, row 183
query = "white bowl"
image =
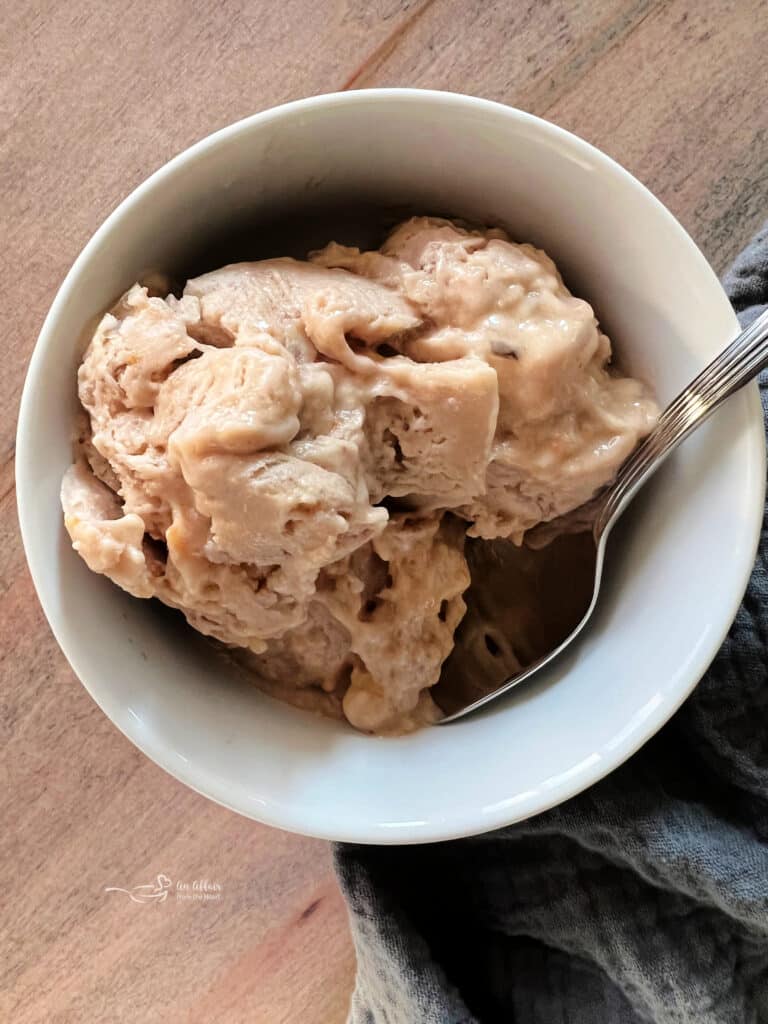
column 675, row 574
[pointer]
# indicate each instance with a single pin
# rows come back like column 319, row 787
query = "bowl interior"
column 345, row 167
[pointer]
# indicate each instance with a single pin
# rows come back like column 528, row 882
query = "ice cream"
column 292, row 452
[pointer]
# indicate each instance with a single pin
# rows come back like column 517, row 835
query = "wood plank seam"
column 386, row 48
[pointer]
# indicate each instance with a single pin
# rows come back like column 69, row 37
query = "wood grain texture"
column 93, row 97
column 672, row 90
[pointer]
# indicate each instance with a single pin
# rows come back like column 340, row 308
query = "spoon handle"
column 734, row 367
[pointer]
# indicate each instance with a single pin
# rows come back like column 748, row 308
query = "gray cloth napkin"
column 643, row 899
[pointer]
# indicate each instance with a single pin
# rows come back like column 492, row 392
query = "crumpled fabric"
column 643, row 899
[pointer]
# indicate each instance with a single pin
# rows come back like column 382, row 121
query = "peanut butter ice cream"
column 292, row 452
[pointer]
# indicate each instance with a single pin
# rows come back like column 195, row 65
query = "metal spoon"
column 525, row 607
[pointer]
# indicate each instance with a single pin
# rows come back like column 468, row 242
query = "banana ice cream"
column 291, row 453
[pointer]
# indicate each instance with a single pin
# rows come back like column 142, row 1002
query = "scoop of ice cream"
column 107, row 540
column 378, row 629
column 207, row 457
column 429, row 428
column 565, row 420
column 400, row 601
column 291, row 453
column 307, row 308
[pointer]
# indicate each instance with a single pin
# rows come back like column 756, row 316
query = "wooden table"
column 93, row 97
